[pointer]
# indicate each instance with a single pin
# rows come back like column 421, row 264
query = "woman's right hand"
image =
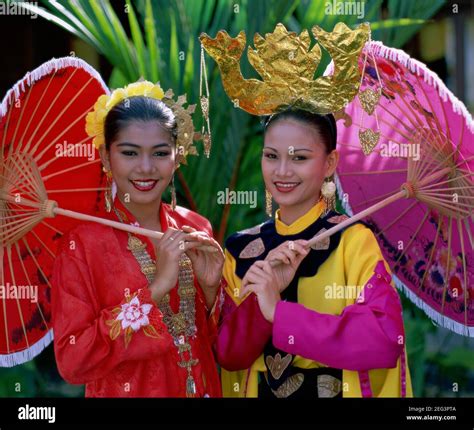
column 168, row 252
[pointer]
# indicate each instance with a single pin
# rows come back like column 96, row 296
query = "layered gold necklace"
column 182, row 324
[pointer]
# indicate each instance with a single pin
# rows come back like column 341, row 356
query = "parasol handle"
column 118, row 225
column 401, row 194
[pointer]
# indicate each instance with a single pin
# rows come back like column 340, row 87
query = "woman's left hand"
column 207, row 266
column 260, row 279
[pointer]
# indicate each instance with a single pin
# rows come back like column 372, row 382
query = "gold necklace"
column 181, row 325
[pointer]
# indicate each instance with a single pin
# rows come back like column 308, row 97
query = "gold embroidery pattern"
column 277, row 365
column 290, row 385
column 328, row 386
column 253, row 249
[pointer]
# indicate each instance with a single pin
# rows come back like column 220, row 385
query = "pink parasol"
column 419, row 137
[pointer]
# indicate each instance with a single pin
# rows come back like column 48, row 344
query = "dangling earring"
column 328, row 191
column 108, row 198
column 268, row 203
column 173, row 194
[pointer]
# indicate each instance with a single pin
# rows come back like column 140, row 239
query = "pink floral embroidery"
column 131, row 317
column 134, row 315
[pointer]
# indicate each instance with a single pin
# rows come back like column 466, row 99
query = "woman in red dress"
column 134, row 317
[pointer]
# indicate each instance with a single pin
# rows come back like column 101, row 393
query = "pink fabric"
column 365, row 336
column 243, row 334
column 365, row 383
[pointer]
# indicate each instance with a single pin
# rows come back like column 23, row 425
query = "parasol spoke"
column 51, row 253
column 5, row 131
column 77, row 190
column 20, row 313
column 435, row 184
column 392, row 126
column 30, row 283
column 37, row 105
column 55, row 141
column 43, row 166
column 52, row 228
column 438, row 124
column 70, row 169
column 469, row 233
column 387, row 227
column 373, row 172
column 45, row 115
column 464, row 269
column 4, row 303
column 56, row 119
column 446, row 204
column 406, row 248
column 23, row 108
column 376, row 198
column 35, row 261
column 448, row 263
column 433, row 248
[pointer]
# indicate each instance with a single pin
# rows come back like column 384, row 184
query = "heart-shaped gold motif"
column 277, row 365
column 369, row 99
column 368, row 140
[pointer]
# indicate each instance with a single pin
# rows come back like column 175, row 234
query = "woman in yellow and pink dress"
column 326, row 321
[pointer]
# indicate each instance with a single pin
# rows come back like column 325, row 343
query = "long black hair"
column 138, row 108
column 324, row 125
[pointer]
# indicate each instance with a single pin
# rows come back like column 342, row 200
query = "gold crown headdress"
column 287, row 65
column 95, row 120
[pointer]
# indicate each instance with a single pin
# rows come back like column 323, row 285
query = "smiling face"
column 294, row 166
column 142, row 160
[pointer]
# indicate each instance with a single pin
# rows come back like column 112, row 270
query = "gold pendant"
column 368, row 140
column 369, row 99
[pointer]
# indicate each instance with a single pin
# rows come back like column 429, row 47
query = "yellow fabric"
column 351, row 264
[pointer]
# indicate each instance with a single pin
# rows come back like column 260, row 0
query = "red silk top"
column 97, row 281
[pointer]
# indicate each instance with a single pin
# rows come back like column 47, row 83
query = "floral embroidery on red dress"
column 130, row 317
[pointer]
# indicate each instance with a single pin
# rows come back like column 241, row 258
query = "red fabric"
column 243, row 334
column 90, row 281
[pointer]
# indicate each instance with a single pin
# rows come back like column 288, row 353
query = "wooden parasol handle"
column 120, row 226
column 401, row 194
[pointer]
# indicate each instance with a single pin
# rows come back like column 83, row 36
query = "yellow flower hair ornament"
column 95, row 120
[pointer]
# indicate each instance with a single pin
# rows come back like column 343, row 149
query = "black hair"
column 138, row 108
column 324, row 125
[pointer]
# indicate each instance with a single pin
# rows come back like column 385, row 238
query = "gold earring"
column 268, row 203
column 173, row 194
column 328, row 191
column 108, row 197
